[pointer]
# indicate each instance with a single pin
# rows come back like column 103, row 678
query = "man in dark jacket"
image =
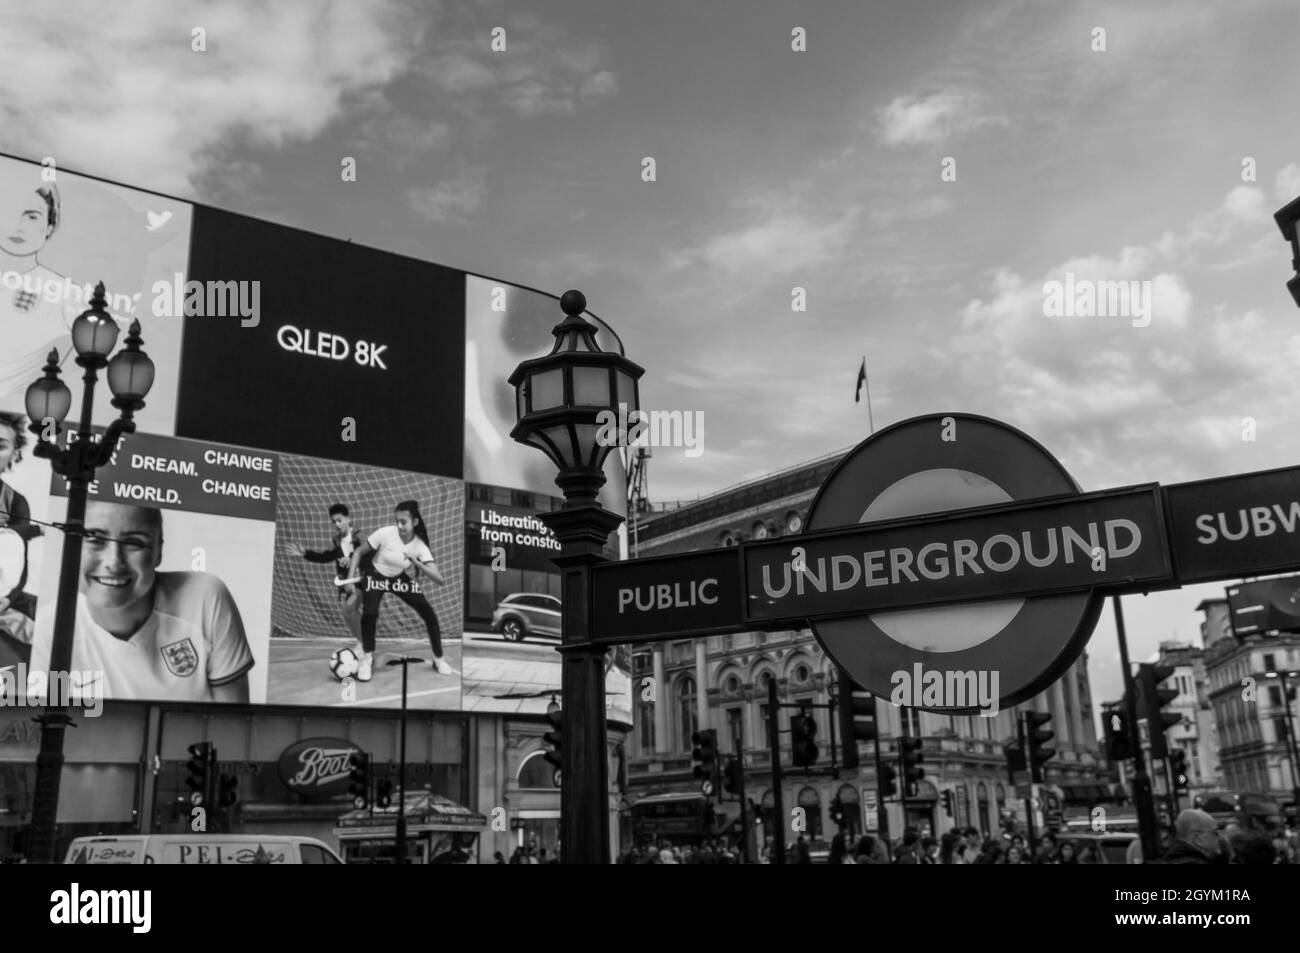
column 1196, row 839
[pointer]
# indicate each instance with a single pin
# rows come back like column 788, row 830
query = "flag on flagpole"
column 862, row 378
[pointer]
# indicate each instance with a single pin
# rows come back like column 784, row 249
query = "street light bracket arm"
column 103, row 451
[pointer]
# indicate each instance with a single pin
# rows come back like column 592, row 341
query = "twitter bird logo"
column 158, row 219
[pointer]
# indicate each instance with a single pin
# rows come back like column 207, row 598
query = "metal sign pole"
column 774, row 744
column 1146, row 809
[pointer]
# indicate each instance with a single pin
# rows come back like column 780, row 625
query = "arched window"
column 686, row 710
column 982, row 798
column 811, row 802
column 536, row 772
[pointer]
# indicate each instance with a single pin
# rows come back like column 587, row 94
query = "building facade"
column 1251, row 685
column 1196, row 734
column 721, row 682
column 126, row 771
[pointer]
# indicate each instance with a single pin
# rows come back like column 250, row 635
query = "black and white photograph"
column 602, row 433
column 367, row 570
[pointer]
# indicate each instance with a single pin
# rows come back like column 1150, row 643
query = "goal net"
column 305, row 601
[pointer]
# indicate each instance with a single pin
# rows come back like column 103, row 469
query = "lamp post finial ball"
column 573, row 302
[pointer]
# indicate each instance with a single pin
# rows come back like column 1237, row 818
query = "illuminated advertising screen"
column 512, row 603
column 60, row 234
column 322, row 480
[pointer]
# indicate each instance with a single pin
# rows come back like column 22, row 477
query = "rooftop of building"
column 670, row 516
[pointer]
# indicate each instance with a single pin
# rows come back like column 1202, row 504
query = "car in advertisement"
column 524, row 615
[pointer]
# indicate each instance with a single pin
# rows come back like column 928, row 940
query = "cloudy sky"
column 1159, row 159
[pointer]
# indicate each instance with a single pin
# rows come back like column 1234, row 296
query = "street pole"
column 1023, row 737
column 882, row 815
column 582, row 529
column 1146, row 809
column 401, row 774
column 54, row 720
column 744, row 815
column 902, row 778
column 774, row 744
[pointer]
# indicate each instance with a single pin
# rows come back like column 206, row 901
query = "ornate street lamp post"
column 130, row 375
column 559, row 399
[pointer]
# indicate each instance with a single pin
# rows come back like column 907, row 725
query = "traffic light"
column 199, row 772
column 947, row 802
column 1038, row 738
column 803, row 740
column 554, row 737
column 1015, row 761
column 837, row 813
column 1118, row 745
column 1178, row 769
column 888, row 778
column 1152, row 699
column 227, row 791
column 910, row 754
column 384, row 793
column 857, row 713
column 734, row 781
column 359, row 776
column 705, row 754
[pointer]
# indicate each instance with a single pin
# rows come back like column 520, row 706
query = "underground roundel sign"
column 967, row 656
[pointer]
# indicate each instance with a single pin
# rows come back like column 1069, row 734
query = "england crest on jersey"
column 181, row 658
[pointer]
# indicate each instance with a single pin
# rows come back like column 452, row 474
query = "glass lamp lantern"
column 130, row 373
column 94, row 332
column 48, row 398
column 571, row 402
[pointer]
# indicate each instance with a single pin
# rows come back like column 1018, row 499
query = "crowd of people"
column 1194, row 839
column 709, row 851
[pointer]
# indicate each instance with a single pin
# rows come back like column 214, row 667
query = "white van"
column 200, row 849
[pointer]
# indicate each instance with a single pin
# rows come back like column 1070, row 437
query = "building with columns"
column 721, row 682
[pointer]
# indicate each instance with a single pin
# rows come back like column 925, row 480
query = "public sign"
column 1246, row 525
column 1114, row 538
column 694, row 594
column 974, row 657
column 949, row 562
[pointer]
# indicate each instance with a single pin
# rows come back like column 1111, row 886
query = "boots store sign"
column 958, row 544
column 318, row 767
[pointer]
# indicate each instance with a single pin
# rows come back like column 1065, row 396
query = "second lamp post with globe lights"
column 130, row 376
column 559, row 399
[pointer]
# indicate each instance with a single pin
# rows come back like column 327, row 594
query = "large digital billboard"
column 512, row 588
column 322, row 480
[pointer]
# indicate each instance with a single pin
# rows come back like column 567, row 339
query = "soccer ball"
column 344, row 663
